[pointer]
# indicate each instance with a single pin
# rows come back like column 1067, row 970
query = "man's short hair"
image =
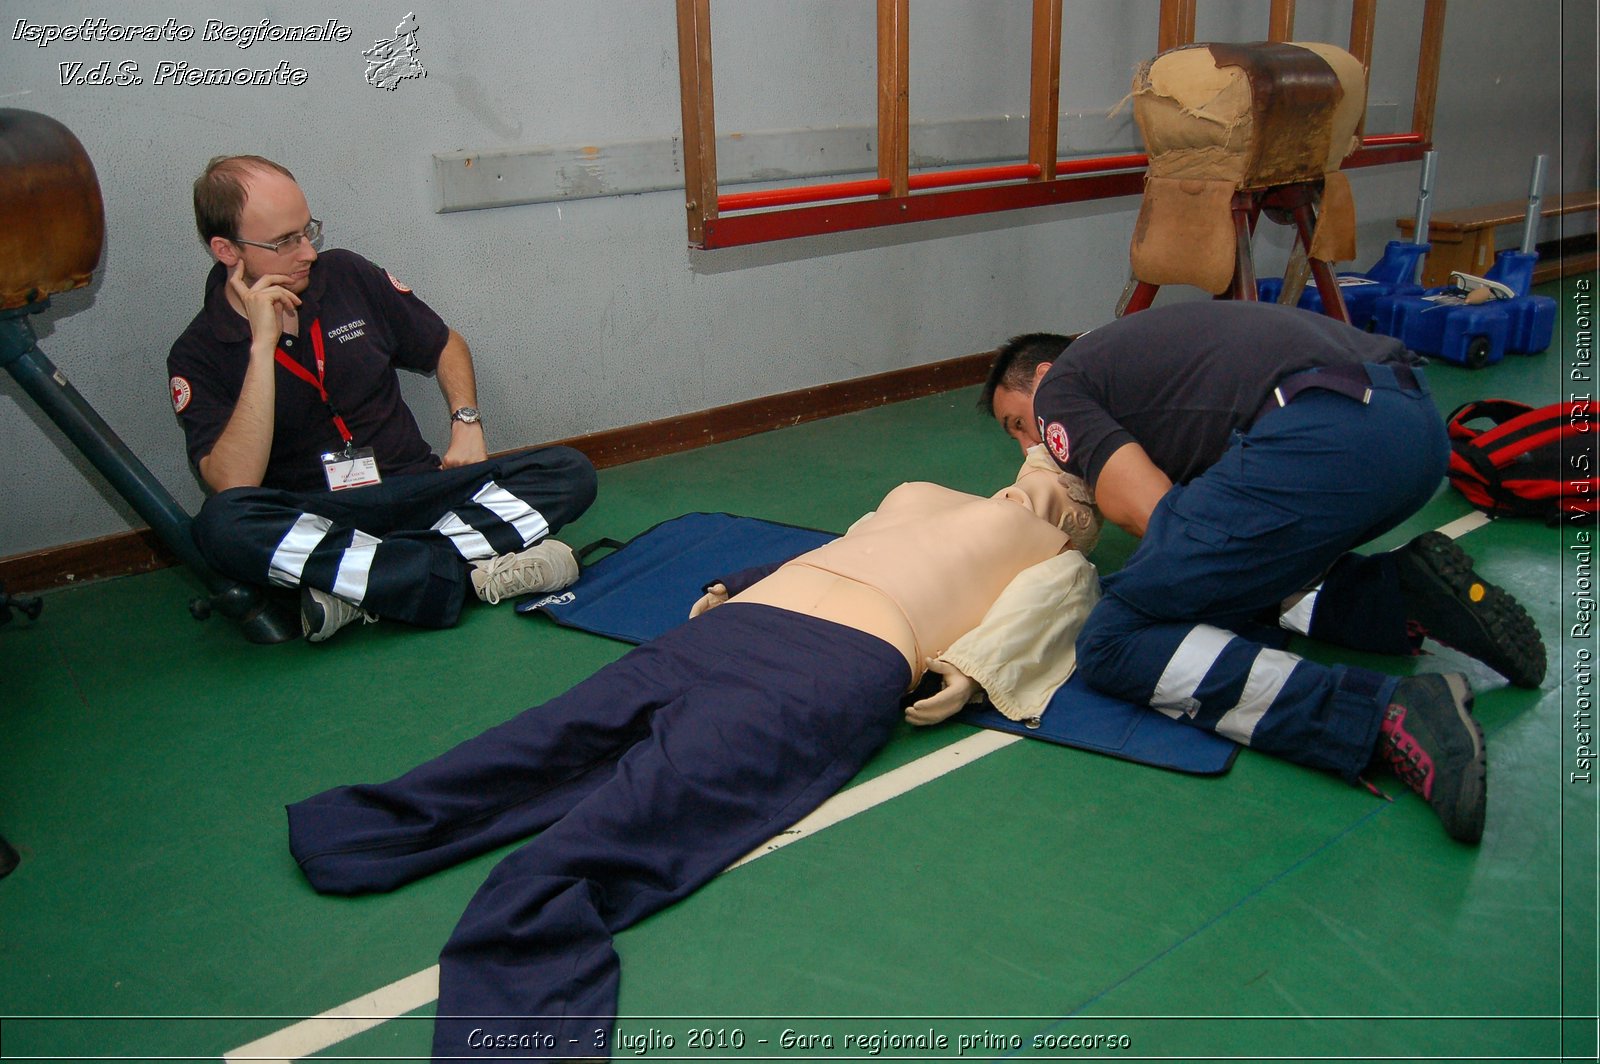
column 1015, row 362
column 219, row 193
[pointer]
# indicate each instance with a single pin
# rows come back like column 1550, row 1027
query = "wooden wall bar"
column 1280, row 22
column 1428, row 69
column 1044, row 91
column 699, row 117
column 792, row 212
column 1177, row 24
column 894, row 94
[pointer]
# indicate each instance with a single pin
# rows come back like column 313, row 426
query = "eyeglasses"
column 311, row 234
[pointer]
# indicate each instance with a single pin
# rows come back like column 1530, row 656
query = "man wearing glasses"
column 286, row 389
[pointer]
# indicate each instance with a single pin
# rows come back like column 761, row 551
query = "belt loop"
column 1376, row 377
column 1386, row 375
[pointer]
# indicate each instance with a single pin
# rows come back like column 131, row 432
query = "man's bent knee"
column 1102, row 653
column 219, row 516
column 216, row 529
column 580, row 472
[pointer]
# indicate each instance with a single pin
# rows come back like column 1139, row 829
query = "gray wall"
column 591, row 314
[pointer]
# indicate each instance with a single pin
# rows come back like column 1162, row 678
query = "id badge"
column 353, row 468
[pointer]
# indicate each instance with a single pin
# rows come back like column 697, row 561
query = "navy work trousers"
column 643, row 781
column 401, row 549
column 1282, row 507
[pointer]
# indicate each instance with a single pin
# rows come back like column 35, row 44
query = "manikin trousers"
column 401, row 549
column 1276, row 514
column 643, row 782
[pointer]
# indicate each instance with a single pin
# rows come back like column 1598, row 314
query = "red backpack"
column 1533, row 462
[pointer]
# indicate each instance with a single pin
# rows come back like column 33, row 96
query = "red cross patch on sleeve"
column 1055, row 437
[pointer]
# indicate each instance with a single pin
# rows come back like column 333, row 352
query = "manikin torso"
column 924, row 568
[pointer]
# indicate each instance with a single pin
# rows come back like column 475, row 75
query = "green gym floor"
column 1038, row 902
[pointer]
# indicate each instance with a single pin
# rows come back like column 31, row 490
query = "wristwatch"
column 467, row 415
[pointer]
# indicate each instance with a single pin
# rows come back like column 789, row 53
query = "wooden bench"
column 1465, row 239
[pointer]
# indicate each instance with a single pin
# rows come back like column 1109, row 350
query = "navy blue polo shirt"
column 1179, row 380
column 371, row 324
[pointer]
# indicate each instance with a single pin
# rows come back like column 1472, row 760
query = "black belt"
column 1353, row 380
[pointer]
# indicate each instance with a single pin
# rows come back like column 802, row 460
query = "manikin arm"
column 721, row 591
column 1024, row 648
column 729, row 586
column 716, row 595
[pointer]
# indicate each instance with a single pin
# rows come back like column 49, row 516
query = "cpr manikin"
column 928, row 572
column 646, row 780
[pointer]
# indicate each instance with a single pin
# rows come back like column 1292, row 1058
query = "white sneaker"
column 546, row 566
column 323, row 613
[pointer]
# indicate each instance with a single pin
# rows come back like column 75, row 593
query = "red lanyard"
column 317, row 382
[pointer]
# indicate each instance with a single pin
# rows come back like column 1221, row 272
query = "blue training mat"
column 647, row 585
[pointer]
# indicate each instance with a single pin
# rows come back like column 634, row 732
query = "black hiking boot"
column 1453, row 604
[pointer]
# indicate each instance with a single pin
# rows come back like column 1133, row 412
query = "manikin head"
column 244, row 204
column 1019, row 365
column 1059, row 498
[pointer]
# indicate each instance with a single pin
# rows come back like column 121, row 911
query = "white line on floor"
column 876, row 791
column 414, row 991
column 348, row 1020
column 1462, row 525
